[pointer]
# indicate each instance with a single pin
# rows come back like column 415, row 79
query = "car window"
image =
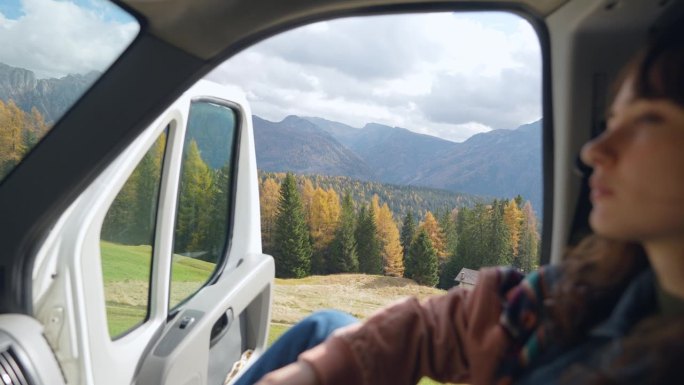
column 53, row 51
column 397, row 155
column 414, row 124
column 204, row 197
column 127, row 243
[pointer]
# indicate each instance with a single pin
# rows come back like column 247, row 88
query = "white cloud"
column 56, row 38
column 449, row 75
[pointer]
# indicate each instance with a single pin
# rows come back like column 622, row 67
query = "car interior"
column 53, row 204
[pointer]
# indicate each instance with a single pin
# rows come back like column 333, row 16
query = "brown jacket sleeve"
column 455, row 337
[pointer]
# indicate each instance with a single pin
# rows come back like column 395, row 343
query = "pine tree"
column 367, row 243
column 218, row 230
column 144, row 205
column 408, row 231
column 117, row 223
column 343, row 250
column 423, row 260
column 448, row 272
column 529, row 240
column 292, row 252
column 464, row 253
column 498, row 237
column 447, row 221
column 130, row 218
column 194, row 207
column 471, row 248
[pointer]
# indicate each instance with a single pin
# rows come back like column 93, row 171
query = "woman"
column 612, row 312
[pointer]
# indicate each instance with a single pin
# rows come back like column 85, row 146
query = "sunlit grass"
column 126, row 271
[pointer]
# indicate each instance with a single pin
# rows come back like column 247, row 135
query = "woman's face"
column 637, row 187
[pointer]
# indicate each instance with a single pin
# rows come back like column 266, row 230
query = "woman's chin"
column 605, row 225
column 612, row 227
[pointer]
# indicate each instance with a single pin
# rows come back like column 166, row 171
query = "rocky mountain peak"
column 52, row 97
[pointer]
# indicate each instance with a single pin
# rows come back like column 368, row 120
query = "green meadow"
column 126, row 272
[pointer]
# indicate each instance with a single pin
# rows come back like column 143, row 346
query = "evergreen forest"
column 326, row 225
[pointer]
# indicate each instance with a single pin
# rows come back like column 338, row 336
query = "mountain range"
column 499, row 163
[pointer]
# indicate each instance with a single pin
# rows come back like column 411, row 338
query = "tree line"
column 19, row 132
column 401, row 199
column 201, row 218
column 310, row 229
column 202, row 213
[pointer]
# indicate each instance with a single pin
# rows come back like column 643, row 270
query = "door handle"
column 221, row 326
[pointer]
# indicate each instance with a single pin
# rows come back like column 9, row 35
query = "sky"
column 450, row 75
column 56, row 38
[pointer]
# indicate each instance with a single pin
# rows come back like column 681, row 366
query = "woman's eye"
column 649, row 118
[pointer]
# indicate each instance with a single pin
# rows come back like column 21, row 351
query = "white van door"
column 155, row 273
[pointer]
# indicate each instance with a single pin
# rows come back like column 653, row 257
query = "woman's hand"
column 299, row 373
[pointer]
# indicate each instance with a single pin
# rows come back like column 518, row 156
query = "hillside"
column 500, row 163
column 398, row 155
column 357, row 294
column 296, row 145
column 497, row 163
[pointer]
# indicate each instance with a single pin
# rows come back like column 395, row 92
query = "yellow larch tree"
column 5, row 139
column 434, row 232
column 513, row 218
column 12, row 143
column 388, row 233
column 269, row 195
column 324, row 214
column 334, row 206
column 307, row 199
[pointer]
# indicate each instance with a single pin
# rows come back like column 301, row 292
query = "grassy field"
column 127, row 268
column 357, row 294
column 126, row 271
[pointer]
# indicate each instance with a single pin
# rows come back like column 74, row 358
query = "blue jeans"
column 306, row 334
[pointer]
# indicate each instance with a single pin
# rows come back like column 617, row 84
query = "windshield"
column 52, row 52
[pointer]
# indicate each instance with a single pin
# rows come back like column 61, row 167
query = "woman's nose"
column 596, row 151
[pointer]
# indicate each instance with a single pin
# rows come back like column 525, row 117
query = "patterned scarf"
column 523, row 318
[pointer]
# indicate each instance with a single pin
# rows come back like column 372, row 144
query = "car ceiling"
column 204, row 28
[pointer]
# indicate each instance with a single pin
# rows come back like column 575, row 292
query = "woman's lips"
column 599, row 190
